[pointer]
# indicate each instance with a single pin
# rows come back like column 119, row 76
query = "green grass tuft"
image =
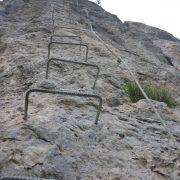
column 153, row 92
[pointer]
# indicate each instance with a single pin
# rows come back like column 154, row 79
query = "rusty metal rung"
column 73, row 62
column 63, row 9
column 21, row 178
column 71, row 28
column 59, row 36
column 64, row 27
column 65, row 93
column 72, row 44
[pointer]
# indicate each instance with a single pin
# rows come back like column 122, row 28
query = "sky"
column 163, row 14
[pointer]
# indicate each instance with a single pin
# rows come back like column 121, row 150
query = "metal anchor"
column 65, row 93
column 73, row 62
column 72, row 44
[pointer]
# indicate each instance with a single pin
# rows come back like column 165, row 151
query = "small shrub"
column 153, row 92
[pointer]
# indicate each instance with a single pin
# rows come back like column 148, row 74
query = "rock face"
column 59, row 140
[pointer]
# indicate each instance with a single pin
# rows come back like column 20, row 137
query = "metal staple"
column 65, row 27
column 59, row 36
column 53, row 12
column 73, row 44
column 21, row 178
column 73, row 62
column 65, row 93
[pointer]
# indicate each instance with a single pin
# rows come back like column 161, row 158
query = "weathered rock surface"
column 59, row 140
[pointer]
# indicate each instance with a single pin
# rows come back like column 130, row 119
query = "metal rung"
column 60, row 8
column 22, row 178
column 65, row 93
column 74, row 37
column 73, row 44
column 73, row 62
column 64, row 27
column 53, row 20
column 63, row 9
column 59, row 36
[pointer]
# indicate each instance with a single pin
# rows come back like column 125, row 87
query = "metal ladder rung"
column 22, row 178
column 65, row 93
column 61, row 36
column 72, row 44
column 73, row 62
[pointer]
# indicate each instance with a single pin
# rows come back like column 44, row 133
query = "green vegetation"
column 153, row 92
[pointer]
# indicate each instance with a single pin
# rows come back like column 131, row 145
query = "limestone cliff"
column 59, row 139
